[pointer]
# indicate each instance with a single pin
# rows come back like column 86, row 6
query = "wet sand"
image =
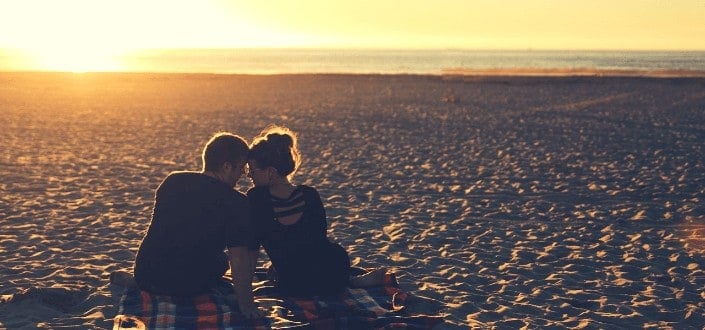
column 499, row 201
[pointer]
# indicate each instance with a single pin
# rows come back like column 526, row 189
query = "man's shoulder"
column 177, row 180
column 197, row 182
column 258, row 196
column 240, row 197
column 180, row 176
column 257, row 191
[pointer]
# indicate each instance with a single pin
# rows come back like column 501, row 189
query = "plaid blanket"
column 379, row 307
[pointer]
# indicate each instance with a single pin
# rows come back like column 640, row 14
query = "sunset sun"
column 76, row 59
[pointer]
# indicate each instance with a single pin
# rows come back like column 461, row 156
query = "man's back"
column 195, row 218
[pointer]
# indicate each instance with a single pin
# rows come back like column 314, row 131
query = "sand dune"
column 499, row 201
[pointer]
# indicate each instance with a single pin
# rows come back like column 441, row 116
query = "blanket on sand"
column 377, row 307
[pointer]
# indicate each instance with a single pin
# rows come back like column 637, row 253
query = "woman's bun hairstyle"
column 276, row 147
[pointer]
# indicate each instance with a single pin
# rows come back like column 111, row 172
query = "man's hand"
column 240, row 267
column 251, row 311
column 271, row 273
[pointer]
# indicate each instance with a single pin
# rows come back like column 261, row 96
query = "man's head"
column 225, row 155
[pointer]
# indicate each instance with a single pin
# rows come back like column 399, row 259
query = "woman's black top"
column 306, row 262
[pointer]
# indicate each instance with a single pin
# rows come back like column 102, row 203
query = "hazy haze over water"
column 274, row 61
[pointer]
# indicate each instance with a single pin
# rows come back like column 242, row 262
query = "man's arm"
column 242, row 270
column 253, row 260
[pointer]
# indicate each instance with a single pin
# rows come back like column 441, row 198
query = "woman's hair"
column 222, row 148
column 276, row 146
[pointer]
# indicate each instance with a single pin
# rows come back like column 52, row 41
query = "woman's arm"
column 317, row 210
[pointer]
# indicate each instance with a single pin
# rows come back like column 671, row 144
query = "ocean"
column 371, row 61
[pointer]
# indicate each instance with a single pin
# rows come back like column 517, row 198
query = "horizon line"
column 525, row 72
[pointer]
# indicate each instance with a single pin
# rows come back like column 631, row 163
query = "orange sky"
column 515, row 24
column 93, row 30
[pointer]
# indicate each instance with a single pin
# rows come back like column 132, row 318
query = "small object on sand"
column 374, row 277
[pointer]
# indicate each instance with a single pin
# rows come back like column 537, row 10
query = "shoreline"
column 576, row 72
column 444, row 73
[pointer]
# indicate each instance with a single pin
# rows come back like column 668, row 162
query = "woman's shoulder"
column 309, row 193
column 306, row 189
column 257, row 193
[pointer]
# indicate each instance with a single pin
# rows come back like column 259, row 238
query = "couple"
column 198, row 216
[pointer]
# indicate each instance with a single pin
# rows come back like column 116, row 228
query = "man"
column 196, row 216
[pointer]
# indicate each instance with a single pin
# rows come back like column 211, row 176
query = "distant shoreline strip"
column 573, row 72
column 448, row 73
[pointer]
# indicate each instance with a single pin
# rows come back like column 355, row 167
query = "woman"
column 290, row 222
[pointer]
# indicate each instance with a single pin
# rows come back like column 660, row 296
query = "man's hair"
column 224, row 148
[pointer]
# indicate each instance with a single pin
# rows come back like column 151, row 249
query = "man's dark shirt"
column 195, row 219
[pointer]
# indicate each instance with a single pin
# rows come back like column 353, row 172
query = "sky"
column 475, row 24
column 88, row 30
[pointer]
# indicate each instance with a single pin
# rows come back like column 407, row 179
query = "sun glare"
column 75, row 59
column 86, row 35
column 89, row 35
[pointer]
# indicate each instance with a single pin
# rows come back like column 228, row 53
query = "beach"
column 498, row 201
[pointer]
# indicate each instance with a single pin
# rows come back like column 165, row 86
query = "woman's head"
column 274, row 151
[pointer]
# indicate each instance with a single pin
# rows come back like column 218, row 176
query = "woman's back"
column 292, row 230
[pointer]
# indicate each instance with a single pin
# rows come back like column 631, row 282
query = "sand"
column 499, row 201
